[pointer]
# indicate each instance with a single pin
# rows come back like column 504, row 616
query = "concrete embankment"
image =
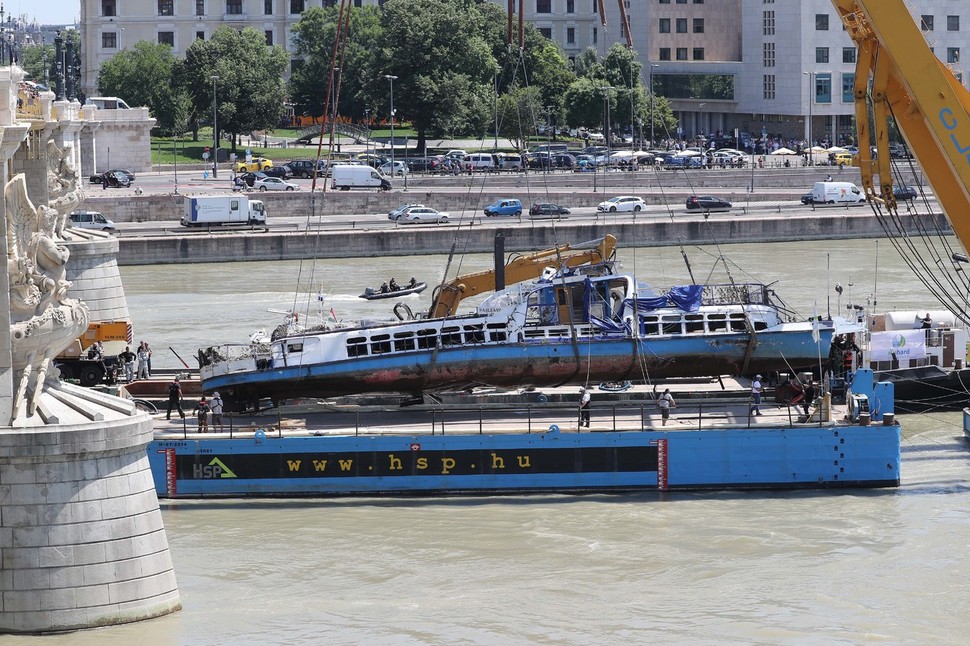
column 823, row 224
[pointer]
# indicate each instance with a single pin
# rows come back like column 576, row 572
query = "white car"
column 422, row 214
column 401, row 210
column 273, row 184
column 400, row 168
column 91, row 220
column 622, row 203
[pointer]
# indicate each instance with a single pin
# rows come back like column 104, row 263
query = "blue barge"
column 760, row 456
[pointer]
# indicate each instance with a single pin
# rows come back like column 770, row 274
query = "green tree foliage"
column 313, row 38
column 33, row 59
column 518, row 110
column 145, row 75
column 250, row 89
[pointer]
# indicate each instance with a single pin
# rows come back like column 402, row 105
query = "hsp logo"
column 215, row 469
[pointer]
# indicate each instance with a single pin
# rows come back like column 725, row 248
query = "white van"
column 480, row 161
column 837, row 193
column 510, row 162
column 108, row 103
column 346, row 177
column 91, row 220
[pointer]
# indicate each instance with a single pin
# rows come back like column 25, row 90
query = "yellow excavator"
column 449, row 295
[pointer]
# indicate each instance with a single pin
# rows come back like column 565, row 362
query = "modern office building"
column 784, row 67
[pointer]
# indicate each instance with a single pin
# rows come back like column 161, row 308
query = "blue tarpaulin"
column 685, row 297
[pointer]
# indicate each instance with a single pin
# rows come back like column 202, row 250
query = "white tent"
column 817, row 149
column 836, row 149
column 784, row 151
column 642, row 153
column 688, row 153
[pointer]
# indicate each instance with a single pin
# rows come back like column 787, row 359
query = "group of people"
column 136, row 365
column 203, row 408
column 394, row 287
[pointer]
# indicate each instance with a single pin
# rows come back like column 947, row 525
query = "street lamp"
column 495, row 85
column 336, row 80
column 652, row 65
column 215, row 131
column 392, row 78
column 549, row 122
column 699, row 129
column 606, row 113
column 808, row 126
column 367, row 121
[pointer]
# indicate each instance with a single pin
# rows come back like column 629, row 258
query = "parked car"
column 905, row 193
column 422, row 164
column 707, row 203
column 304, row 168
column 258, row 163
column 91, row 220
column 96, row 179
column 274, row 184
column 540, row 160
column 843, row 159
column 622, row 203
column 423, row 214
column 114, row 179
column 394, row 214
column 283, row 172
column 505, row 206
column 399, row 168
column 546, row 208
column 251, row 178
column 510, row 162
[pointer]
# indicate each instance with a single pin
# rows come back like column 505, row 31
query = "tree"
column 313, row 38
column 249, row 89
column 145, row 75
column 518, row 111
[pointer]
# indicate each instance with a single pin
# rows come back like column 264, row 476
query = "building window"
column 768, row 23
column 234, row 7
column 664, row 54
column 926, row 22
column 543, row 6
column 953, row 23
column 267, row 7
column 681, row 1
column 698, row 53
column 821, row 54
column 109, row 40
column 570, row 35
column 200, row 35
column 665, row 25
column 952, row 54
column 823, row 88
column 108, row 8
column 698, row 25
column 848, row 87
column 768, row 54
column 821, row 22
column 681, row 53
column 848, row 54
column 166, row 8
column 200, row 7
column 166, row 38
column 546, row 32
column 769, row 86
column 570, row 6
column 595, row 36
column 682, row 25
column 661, row 2
column 595, row 10
column 297, row 6
column 269, row 37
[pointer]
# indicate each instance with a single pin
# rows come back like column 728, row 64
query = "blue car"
column 504, row 207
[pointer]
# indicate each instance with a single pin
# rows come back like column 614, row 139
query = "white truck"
column 837, row 193
column 348, row 176
column 208, row 210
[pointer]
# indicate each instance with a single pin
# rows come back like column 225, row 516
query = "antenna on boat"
column 690, row 272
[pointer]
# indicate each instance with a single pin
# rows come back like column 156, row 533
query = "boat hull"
column 425, row 464
column 928, row 388
column 535, row 364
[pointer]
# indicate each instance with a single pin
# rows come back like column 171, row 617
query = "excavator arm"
column 931, row 108
column 452, row 293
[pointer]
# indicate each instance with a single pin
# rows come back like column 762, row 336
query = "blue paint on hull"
column 761, row 458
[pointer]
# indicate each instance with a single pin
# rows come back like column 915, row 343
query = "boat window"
column 650, row 325
column 403, row 341
column 474, row 334
column 427, row 339
column 760, row 325
column 672, row 325
column 357, row 346
column 496, row 332
column 694, row 323
column 717, row 322
column 294, row 347
column 451, row 336
column 738, row 323
column 380, row 344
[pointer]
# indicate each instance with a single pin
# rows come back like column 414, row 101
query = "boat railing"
column 736, row 294
column 497, row 419
column 235, row 357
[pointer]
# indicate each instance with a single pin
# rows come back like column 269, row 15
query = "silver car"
column 274, row 184
column 423, row 214
column 622, row 203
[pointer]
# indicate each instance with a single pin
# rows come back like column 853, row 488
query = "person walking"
column 584, row 398
column 142, row 356
column 809, row 397
column 756, row 391
column 665, row 403
column 202, row 414
column 175, row 398
column 215, row 405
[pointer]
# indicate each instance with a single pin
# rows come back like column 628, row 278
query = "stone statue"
column 63, row 186
column 43, row 321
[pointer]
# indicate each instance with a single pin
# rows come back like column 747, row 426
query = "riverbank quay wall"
column 520, row 235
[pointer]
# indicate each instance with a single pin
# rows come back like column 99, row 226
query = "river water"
column 882, row 566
